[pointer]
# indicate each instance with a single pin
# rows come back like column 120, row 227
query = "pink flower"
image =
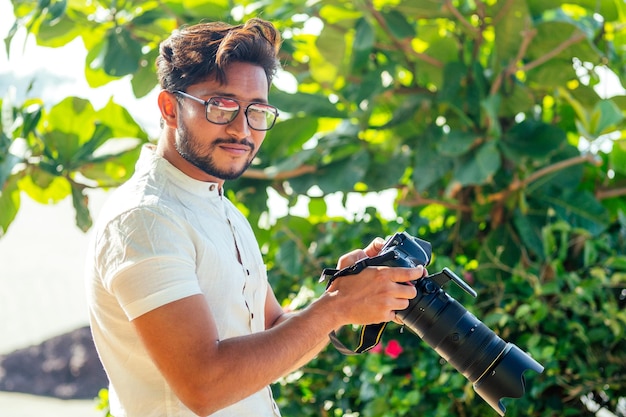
column 469, row 277
column 377, row 349
column 393, row 349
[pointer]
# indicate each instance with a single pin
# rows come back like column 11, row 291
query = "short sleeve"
column 146, row 259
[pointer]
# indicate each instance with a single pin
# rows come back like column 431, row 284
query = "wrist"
column 329, row 307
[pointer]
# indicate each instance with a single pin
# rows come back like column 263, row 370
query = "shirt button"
column 212, row 187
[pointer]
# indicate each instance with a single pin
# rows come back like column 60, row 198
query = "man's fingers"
column 407, row 274
column 374, row 247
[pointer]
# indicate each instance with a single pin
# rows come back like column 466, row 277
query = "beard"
column 201, row 155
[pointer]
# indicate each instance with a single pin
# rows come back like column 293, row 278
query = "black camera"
column 496, row 368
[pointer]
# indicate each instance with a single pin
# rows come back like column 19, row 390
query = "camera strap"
column 370, row 334
column 368, row 338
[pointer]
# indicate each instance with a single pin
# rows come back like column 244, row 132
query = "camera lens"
column 495, row 367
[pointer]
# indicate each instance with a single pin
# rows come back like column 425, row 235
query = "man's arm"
column 275, row 314
column 208, row 374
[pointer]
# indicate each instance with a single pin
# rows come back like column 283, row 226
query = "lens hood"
column 505, row 378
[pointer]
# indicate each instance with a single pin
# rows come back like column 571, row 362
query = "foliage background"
column 480, row 116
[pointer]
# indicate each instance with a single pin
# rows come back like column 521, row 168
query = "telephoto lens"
column 496, row 368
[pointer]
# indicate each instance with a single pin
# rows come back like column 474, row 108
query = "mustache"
column 232, row 141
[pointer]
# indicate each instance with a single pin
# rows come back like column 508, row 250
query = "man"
column 181, row 311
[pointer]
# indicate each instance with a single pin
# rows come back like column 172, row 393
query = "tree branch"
column 605, row 194
column 265, row 174
column 527, row 37
column 502, row 12
column 418, row 200
column 402, row 46
column 546, row 57
column 455, row 12
column 516, row 185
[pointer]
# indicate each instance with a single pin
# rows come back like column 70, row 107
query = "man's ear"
column 168, row 105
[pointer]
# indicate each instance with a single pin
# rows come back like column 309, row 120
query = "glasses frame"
column 239, row 103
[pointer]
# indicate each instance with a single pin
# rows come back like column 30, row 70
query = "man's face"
column 222, row 151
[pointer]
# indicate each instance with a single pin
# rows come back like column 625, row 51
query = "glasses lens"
column 261, row 116
column 221, row 110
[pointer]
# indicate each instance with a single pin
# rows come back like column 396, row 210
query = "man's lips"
column 236, row 148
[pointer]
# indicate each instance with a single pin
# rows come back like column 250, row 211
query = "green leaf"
column 123, row 53
column 553, row 73
column 288, row 136
column 491, row 105
column 112, row 164
column 533, row 139
column 44, row 187
column 580, row 209
column 347, row 167
column 9, row 37
column 9, row 203
column 419, row 9
column 607, row 8
column 606, row 115
column 317, row 207
column 81, row 205
column 145, row 79
column 84, row 154
column 456, row 143
column 214, row 9
column 9, row 161
column 95, row 74
column 569, row 41
column 290, row 162
column 288, row 256
column 398, row 25
column 529, row 229
column 617, row 157
column 70, row 124
column 387, row 171
column 429, row 166
column 333, row 14
column 454, row 78
column 60, row 33
column 364, row 37
column 480, row 167
column 514, row 19
column 331, row 44
column 31, row 116
column 407, row 108
column 343, row 174
column 302, row 104
column 323, row 71
column 498, row 254
column 120, row 121
column 118, row 54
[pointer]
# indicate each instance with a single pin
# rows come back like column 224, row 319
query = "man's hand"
column 375, row 294
column 356, row 255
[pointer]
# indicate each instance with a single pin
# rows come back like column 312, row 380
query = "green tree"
column 484, row 116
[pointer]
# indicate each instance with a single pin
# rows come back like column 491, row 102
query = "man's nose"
column 239, row 127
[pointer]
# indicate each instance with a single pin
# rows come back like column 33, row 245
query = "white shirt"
column 161, row 237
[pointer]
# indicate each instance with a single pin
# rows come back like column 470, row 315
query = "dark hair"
column 194, row 53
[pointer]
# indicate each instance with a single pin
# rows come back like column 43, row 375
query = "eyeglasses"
column 223, row 110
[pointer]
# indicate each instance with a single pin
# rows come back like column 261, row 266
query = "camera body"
column 496, row 368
